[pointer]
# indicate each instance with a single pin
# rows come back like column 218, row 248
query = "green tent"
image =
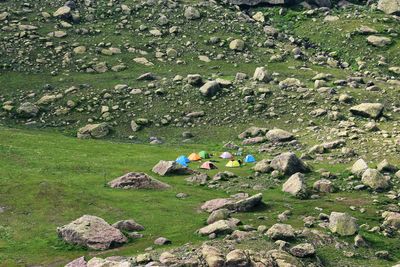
column 204, row 155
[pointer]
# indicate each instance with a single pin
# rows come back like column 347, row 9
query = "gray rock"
column 303, row 250
column 295, row 185
column 170, row 167
column 210, row 89
column 342, row 224
column 137, row 180
column 278, row 135
column 288, row 163
column 375, row 180
column 27, row 110
column 389, row 6
column 128, row 225
column 280, row 231
column 369, row 110
column 91, row 232
column 99, row 130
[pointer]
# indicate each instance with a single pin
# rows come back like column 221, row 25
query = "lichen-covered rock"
column 295, row 185
column 91, row 232
column 280, row 231
column 342, row 224
column 212, row 256
column 27, row 110
column 288, row 163
column 375, row 180
column 99, row 130
column 369, row 110
column 389, row 6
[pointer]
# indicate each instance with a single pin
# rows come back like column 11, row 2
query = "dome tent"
column 183, row 160
column 204, row 155
column 249, row 159
column 194, row 157
column 226, row 155
column 208, row 165
column 233, row 164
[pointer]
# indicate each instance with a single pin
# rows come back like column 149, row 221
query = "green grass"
column 48, row 180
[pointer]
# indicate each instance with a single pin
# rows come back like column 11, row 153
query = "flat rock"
column 137, row 180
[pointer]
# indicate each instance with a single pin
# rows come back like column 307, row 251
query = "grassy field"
column 48, row 180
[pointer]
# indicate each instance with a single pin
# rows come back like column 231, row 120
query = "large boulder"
column 109, row 262
column 99, row 130
column 279, row 135
column 368, row 110
column 252, row 132
column 237, row 45
column 359, row 167
column 283, row 259
column 137, row 180
column 288, row 163
column 389, row 6
column 212, row 256
column 295, row 185
column 324, row 186
column 233, row 204
column 27, row 110
column 210, row 89
column 237, row 258
column 375, row 180
column 219, row 227
column 303, row 250
column 280, row 231
column 378, row 41
column 170, row 167
column 391, row 220
column 342, row 224
column 263, row 166
column 91, row 232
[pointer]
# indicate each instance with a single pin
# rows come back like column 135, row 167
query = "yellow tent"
column 233, row 164
column 194, row 157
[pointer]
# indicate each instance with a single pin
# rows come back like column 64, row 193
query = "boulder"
column 137, row 180
column 342, row 224
column 389, row 6
column 252, row 132
column 368, row 110
column 99, row 130
column 295, row 185
column 303, row 250
column 391, row 220
column 109, row 262
column 261, row 75
column 192, row 13
column 280, row 231
column 378, row 41
column 27, row 110
column 218, row 227
column 162, row 241
column 257, row 2
column 283, row 259
column 212, row 256
column 128, row 225
column 79, row 262
column 385, row 166
column 263, row 166
column 324, row 186
column 210, row 89
column 237, row 45
column 359, row 167
column 241, row 204
column 288, row 163
column 278, row 135
column 375, row 180
column 62, row 12
column 216, row 215
column 237, row 258
column 200, row 178
column 91, row 232
column 170, row 167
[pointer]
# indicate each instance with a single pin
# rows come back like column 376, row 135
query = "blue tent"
column 249, row 159
column 183, row 160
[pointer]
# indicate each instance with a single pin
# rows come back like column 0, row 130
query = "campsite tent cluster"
column 209, row 165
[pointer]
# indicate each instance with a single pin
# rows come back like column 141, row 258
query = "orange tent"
column 194, row 157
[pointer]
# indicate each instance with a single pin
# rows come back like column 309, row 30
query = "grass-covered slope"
column 48, row 180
